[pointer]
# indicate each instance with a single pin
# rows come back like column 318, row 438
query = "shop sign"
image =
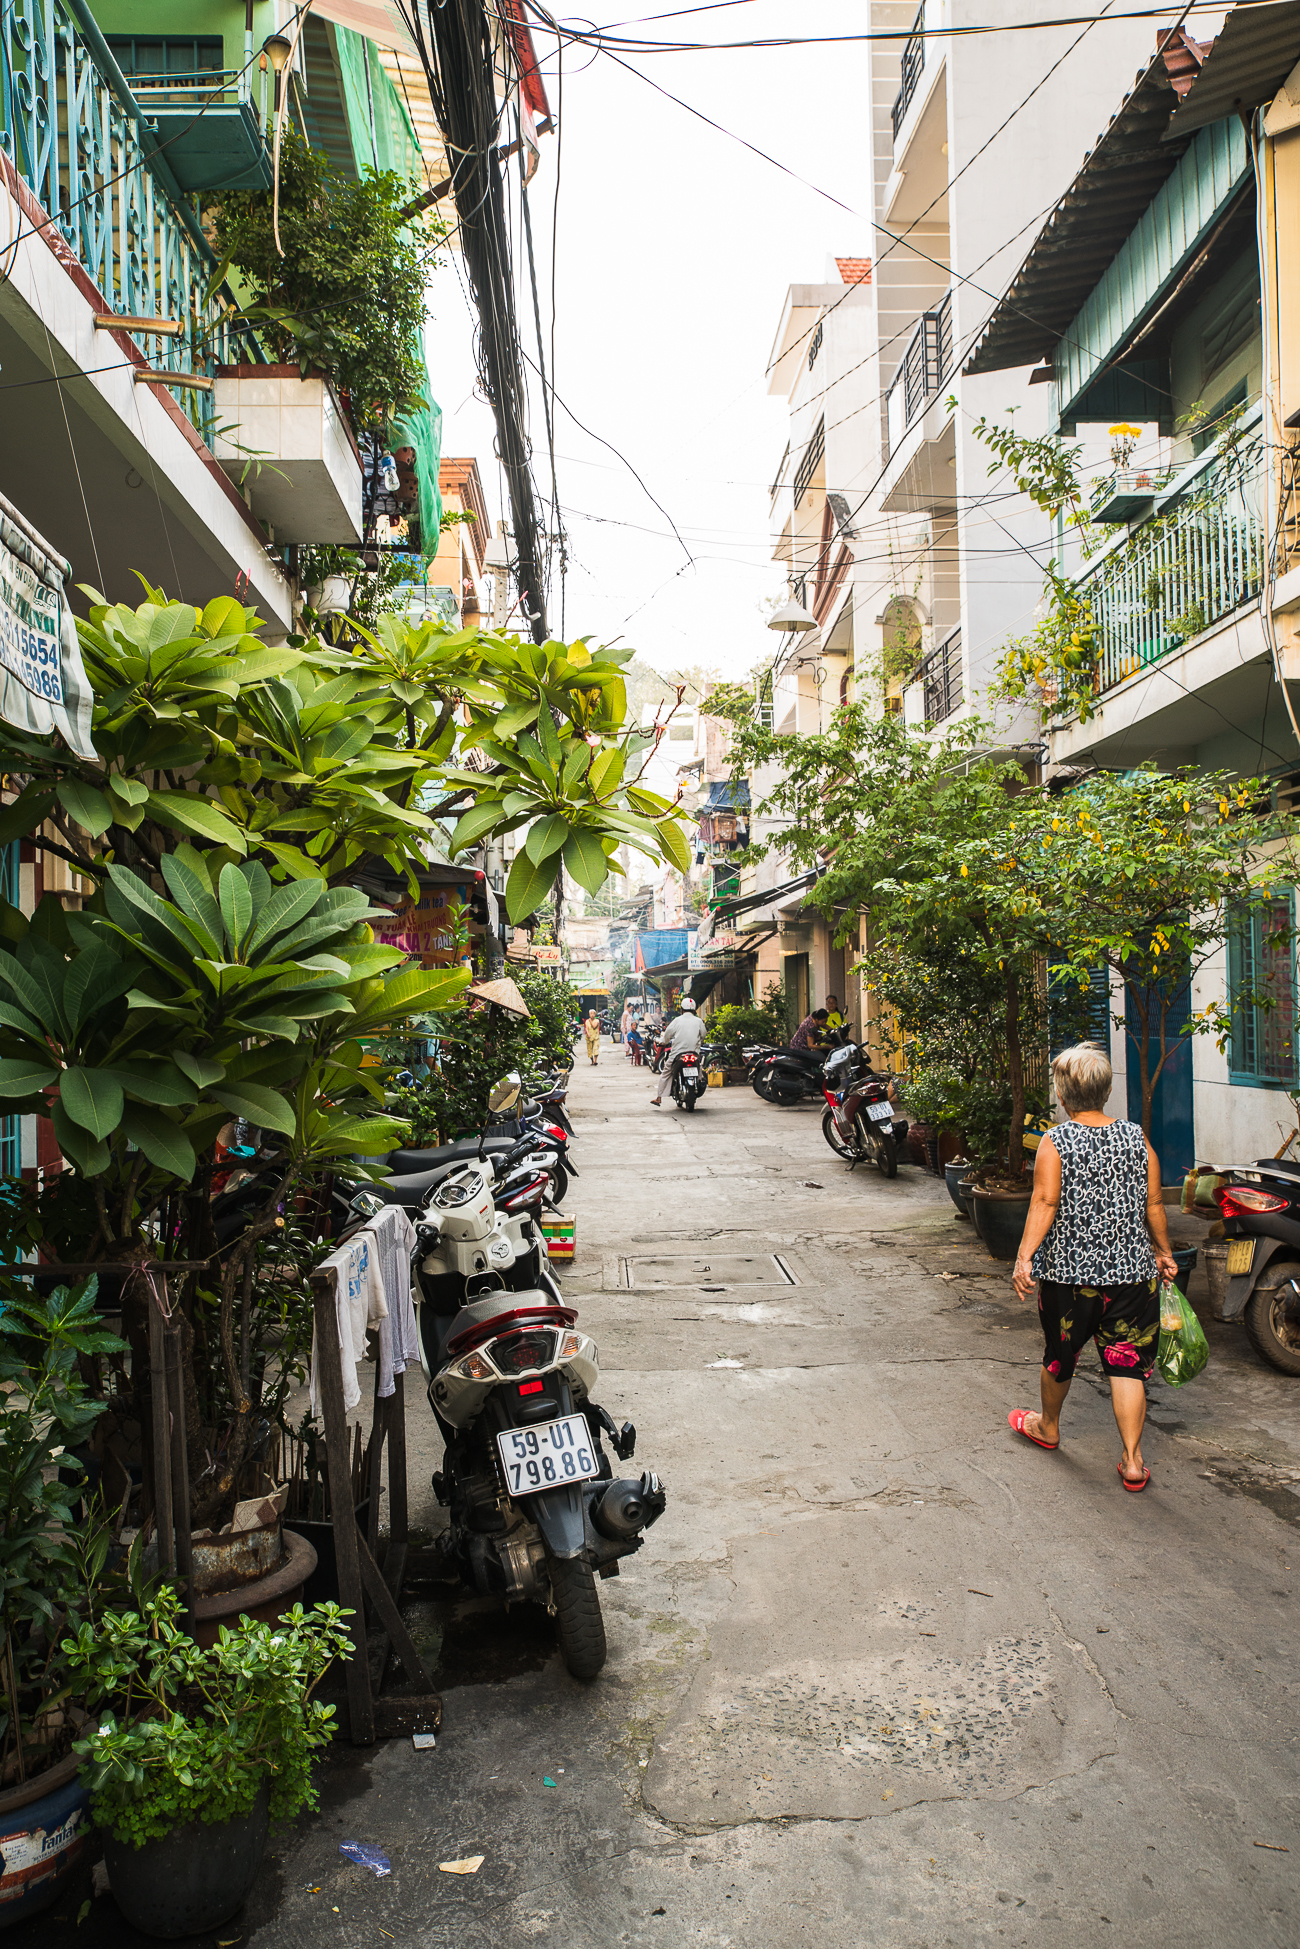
column 43, row 685
column 694, row 959
column 548, row 957
column 427, row 928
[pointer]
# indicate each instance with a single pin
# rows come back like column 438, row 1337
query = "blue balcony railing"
column 80, row 142
column 1199, row 557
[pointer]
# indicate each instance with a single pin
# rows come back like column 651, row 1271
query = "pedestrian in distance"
column 1096, row 1245
column 591, row 1030
column 810, row 1031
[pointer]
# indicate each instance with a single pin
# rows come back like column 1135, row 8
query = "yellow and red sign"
column 427, row 928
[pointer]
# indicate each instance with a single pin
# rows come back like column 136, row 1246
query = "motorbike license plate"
column 881, row 1112
column 548, row 1456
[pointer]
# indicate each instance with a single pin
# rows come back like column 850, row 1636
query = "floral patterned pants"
column 1123, row 1320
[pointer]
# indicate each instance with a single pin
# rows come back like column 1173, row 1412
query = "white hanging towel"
column 359, row 1302
column 399, row 1344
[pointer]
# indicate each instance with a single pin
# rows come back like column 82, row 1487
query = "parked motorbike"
column 860, row 1122
column 789, row 1076
column 1260, row 1207
column 536, row 1510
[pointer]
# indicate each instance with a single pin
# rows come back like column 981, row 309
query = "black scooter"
column 789, row 1076
column 1260, row 1206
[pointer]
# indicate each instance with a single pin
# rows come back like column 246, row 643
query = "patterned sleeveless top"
column 1099, row 1233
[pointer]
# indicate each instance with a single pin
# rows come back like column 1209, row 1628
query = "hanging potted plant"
column 53, row 1552
column 192, row 1753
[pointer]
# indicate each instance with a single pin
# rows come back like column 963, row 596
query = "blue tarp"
column 658, row 946
column 728, row 795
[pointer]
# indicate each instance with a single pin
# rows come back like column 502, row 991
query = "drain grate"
column 709, row 1272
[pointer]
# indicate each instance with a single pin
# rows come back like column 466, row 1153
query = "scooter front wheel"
column 577, row 1616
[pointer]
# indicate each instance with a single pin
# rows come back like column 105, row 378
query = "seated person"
column 834, row 1019
column 810, row 1031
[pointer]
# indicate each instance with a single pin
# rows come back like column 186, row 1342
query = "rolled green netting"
column 423, row 431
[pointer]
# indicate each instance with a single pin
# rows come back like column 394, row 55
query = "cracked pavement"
column 883, row 1674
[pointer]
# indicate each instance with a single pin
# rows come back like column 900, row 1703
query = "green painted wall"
column 189, row 17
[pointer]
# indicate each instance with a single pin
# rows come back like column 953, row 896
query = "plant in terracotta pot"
column 54, row 1548
column 192, row 1753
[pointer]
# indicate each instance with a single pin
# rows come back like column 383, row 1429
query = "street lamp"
column 792, row 616
column 277, row 50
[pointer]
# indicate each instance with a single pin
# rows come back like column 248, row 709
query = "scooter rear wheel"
column 1273, row 1324
column 577, row 1616
column 886, row 1153
column 687, row 1100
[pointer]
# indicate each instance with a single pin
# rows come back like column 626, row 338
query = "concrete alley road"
column 883, row 1674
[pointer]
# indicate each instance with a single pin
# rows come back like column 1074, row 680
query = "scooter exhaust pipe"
column 628, row 1507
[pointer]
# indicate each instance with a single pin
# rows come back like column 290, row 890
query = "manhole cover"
column 708, row 1272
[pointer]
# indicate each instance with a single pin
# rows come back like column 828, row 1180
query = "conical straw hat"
column 505, row 993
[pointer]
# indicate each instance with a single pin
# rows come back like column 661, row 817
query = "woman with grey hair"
column 1096, row 1244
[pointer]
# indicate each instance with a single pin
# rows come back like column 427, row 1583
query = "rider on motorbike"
column 685, row 1031
column 810, row 1031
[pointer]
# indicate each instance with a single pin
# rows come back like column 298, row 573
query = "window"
column 1262, row 987
column 151, row 57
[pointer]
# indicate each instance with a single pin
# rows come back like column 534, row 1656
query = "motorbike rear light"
column 554, row 1130
column 1239, row 1201
column 538, row 1314
column 475, row 1368
column 524, row 1353
column 532, row 1387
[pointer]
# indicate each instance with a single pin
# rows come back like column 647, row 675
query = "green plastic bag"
column 1184, row 1348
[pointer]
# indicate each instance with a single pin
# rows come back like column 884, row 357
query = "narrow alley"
column 882, row 1673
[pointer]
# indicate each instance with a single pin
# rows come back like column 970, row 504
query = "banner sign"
column 43, row 686
column 425, row 928
column 548, row 957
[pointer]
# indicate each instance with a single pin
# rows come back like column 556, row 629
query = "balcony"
column 208, row 127
column 1200, row 556
column 913, row 63
column 941, row 681
column 925, row 367
column 82, row 146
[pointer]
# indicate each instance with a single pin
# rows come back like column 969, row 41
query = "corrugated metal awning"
column 1255, row 51
column 1119, row 178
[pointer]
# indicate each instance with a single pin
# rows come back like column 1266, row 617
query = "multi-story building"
column 912, row 568
column 1163, row 295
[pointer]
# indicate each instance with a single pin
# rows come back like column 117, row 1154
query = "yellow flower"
column 963, row 872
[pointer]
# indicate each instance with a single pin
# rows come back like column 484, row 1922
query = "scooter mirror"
column 505, row 1093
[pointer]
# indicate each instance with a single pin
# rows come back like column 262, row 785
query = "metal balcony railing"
column 814, row 454
column 1199, row 557
column 78, row 139
column 941, row 674
column 923, row 369
column 913, row 63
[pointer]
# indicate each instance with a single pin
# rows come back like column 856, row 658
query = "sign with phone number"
column 43, row 685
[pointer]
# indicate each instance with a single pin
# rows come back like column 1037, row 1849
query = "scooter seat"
column 403, row 1163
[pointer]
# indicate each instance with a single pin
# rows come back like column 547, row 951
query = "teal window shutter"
column 1262, row 988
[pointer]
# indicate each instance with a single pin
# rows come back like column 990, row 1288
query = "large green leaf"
column 528, row 885
column 163, row 1142
column 89, row 1154
column 236, row 904
column 586, row 859
column 546, row 838
column 89, row 806
column 201, row 1070
column 191, row 813
column 673, row 842
column 473, row 824
column 286, row 907
column 266, row 1108
column 188, row 883
column 23, row 1075
column 152, row 1082
column 412, row 992
column 92, row 1099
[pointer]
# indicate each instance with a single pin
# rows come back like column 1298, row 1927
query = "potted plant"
column 53, row 1551
column 192, row 1753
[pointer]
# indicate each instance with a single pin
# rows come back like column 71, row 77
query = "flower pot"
column 322, row 1586
column 193, row 1880
column 1000, row 1219
column 953, row 1173
column 266, row 1598
column 965, row 1190
column 45, row 1831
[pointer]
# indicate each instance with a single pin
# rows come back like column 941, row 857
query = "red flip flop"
column 1134, row 1488
column 1017, row 1420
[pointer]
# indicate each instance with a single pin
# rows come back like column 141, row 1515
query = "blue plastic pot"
column 45, row 1832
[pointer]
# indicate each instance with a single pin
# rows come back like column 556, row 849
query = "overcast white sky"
column 674, row 247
